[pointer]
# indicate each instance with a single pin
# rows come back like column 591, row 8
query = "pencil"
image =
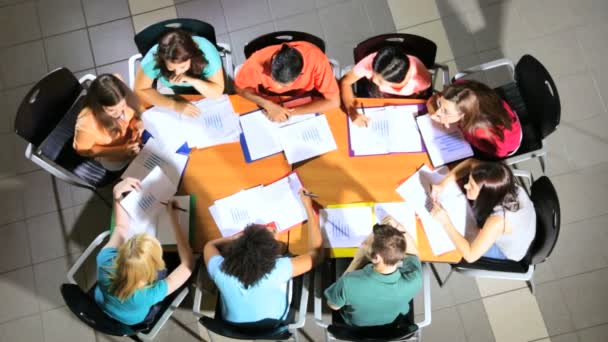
column 310, row 194
column 176, row 207
column 362, row 108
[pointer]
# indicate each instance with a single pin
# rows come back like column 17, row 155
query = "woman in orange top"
column 109, row 126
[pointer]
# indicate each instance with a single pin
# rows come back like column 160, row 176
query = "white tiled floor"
column 44, row 228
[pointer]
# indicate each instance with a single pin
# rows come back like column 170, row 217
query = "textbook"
column 348, row 225
column 277, row 203
column 416, row 190
column 392, row 129
column 444, row 145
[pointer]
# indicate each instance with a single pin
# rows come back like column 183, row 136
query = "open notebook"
column 444, row 145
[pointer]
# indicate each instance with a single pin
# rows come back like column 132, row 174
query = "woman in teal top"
column 180, row 60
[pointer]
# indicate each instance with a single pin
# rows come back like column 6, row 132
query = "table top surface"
column 337, row 178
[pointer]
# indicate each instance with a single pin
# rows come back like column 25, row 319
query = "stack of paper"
column 391, row 129
column 443, row 145
column 301, row 137
column 348, row 225
column 217, row 124
column 153, row 155
column 277, row 203
column 416, row 191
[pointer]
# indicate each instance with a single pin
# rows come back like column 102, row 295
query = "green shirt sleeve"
column 336, row 294
column 411, row 269
column 148, row 63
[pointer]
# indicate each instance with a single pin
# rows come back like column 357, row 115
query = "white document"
column 164, row 229
column 416, row 191
column 346, row 227
column 262, row 135
column 143, row 206
column 443, row 145
column 400, row 211
column 164, row 125
column 283, row 196
column 235, row 212
column 152, row 155
column 391, row 129
column 307, row 139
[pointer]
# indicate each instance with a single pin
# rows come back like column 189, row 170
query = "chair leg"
column 296, row 336
column 531, row 286
column 438, row 277
column 543, row 163
column 107, row 203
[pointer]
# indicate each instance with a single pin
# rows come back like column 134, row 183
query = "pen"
column 176, row 207
column 310, row 194
column 362, row 108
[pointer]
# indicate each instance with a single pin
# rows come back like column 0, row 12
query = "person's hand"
column 126, row 185
column 186, row 108
column 277, row 113
column 138, row 127
column 389, row 220
column 440, row 119
column 436, row 190
column 181, row 79
column 440, row 214
column 306, row 200
column 431, row 104
column 357, row 118
column 132, row 149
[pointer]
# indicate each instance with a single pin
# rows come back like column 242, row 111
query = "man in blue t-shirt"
column 381, row 291
column 180, row 60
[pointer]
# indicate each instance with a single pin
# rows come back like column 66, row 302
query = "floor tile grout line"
column 86, row 23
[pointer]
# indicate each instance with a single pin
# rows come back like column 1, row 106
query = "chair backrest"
column 45, row 105
column 548, row 219
column 539, row 93
column 280, row 37
column 411, row 44
column 149, row 36
column 85, row 308
column 401, row 329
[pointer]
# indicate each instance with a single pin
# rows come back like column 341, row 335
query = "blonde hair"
column 139, row 260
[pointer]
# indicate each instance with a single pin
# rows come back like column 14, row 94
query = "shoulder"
column 411, row 264
column 204, row 44
column 309, row 51
column 106, row 256
column 148, row 63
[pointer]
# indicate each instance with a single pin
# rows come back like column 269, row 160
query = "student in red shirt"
column 487, row 122
column 290, row 69
column 392, row 71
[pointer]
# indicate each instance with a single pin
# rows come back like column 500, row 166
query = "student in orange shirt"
column 109, row 126
column 289, row 69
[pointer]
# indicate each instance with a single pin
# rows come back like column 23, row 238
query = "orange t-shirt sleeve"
column 83, row 140
column 249, row 75
column 324, row 79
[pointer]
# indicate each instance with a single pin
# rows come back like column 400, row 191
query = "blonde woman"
column 129, row 271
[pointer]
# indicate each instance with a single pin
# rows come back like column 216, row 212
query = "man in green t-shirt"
column 379, row 292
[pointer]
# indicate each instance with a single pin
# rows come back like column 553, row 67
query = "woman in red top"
column 487, row 122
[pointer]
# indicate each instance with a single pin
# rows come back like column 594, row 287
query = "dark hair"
column 389, row 243
column 105, row 91
column 286, row 65
column 496, row 187
column 391, row 63
column 252, row 256
column 177, row 46
column 481, row 106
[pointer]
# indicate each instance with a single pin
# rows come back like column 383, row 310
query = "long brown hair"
column 177, row 46
column 105, row 91
column 481, row 106
column 497, row 187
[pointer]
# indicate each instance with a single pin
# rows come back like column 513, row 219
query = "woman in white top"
column 503, row 210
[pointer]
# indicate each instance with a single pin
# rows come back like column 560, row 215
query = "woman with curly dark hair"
column 251, row 274
column 503, row 210
column 180, row 60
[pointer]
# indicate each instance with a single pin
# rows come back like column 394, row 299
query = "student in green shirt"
column 379, row 292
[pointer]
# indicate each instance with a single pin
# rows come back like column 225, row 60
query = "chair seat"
column 262, row 330
column 402, row 328
column 490, row 264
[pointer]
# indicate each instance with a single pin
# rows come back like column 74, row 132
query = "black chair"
column 266, row 329
column 149, row 37
column 420, row 47
column 548, row 216
column 281, row 37
column 402, row 329
column 46, row 119
column 534, row 97
column 83, row 305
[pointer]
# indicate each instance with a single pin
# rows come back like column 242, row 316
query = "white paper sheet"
column 400, row 211
column 307, row 139
column 443, row 145
column 346, row 227
column 283, row 197
column 164, row 229
column 164, row 125
column 144, row 206
column 391, row 129
column 416, row 191
column 235, row 212
column 261, row 134
column 152, row 155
